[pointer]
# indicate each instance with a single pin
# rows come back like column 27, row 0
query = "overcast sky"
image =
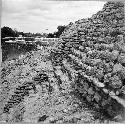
column 40, row 15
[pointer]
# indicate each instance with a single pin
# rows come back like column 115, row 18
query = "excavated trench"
column 80, row 79
column 39, row 88
column 45, row 97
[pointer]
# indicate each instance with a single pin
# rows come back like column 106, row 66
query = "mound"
column 92, row 51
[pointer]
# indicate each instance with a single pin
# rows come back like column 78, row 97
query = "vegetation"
column 58, row 33
column 9, row 32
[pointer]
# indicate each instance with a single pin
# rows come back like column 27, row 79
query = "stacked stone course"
column 93, row 54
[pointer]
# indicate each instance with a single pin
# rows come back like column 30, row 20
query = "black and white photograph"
column 62, row 62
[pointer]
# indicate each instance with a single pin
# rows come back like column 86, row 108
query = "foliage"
column 8, row 32
column 58, row 33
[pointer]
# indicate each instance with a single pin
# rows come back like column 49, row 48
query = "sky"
column 45, row 16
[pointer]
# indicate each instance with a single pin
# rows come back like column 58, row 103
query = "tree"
column 50, row 35
column 60, row 30
column 7, row 32
column 58, row 33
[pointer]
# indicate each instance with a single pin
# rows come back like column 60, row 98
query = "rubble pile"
column 19, row 79
column 92, row 53
column 77, row 80
column 39, row 92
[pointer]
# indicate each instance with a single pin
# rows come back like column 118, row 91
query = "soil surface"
column 31, row 92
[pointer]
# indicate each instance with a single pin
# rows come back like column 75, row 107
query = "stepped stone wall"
column 92, row 51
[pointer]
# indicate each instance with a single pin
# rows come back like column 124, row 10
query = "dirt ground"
column 30, row 92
